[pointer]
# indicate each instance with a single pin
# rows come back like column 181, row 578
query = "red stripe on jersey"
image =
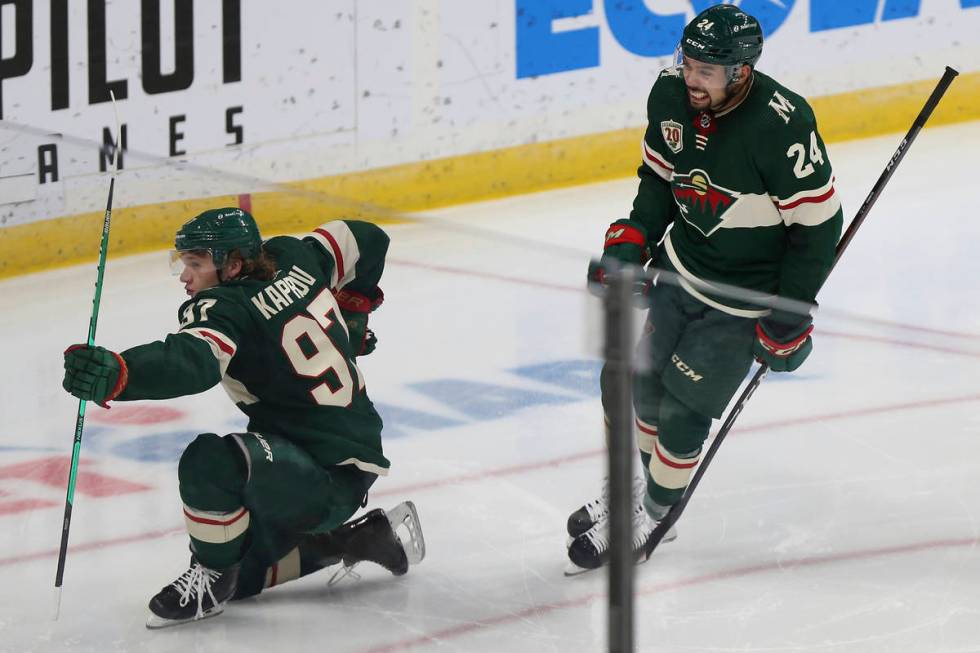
column 216, row 522
column 653, row 157
column 222, row 345
column 275, row 575
column 649, row 431
column 671, row 463
column 336, row 252
column 807, row 200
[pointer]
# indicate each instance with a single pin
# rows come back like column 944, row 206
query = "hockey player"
column 278, row 324
column 734, row 167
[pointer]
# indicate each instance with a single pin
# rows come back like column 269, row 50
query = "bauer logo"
column 265, row 446
column 545, row 46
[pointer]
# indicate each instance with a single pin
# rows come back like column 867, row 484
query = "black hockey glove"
column 355, row 307
column 626, row 243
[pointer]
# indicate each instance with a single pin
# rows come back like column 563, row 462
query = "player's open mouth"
column 697, row 96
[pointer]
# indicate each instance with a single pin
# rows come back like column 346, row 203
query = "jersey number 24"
column 803, row 168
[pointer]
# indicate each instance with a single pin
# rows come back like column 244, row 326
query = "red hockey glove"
column 94, row 373
column 355, row 307
column 626, row 242
column 783, row 348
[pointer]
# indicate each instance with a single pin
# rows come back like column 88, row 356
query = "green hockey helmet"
column 724, row 35
column 220, row 231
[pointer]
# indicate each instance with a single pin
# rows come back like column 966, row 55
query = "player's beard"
column 702, row 105
column 711, row 104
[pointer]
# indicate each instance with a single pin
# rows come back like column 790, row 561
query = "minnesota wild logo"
column 702, row 203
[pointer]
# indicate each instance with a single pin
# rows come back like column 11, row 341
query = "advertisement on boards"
column 231, row 96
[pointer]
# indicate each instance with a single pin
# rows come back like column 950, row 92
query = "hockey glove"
column 626, row 242
column 94, row 373
column 355, row 307
column 783, row 348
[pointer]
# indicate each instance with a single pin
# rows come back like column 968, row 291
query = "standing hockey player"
column 278, row 324
column 733, row 161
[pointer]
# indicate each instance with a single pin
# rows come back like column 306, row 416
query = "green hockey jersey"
column 280, row 348
column 749, row 192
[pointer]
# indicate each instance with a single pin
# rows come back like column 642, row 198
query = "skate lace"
column 599, row 508
column 643, row 525
column 598, row 537
column 195, row 583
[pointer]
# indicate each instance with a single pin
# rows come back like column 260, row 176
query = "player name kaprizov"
column 283, row 292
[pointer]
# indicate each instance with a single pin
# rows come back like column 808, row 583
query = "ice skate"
column 198, row 593
column 597, row 510
column 374, row 537
column 590, row 550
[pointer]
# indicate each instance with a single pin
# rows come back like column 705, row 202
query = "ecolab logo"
column 546, row 47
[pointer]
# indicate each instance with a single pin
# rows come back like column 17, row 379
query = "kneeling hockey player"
column 278, row 324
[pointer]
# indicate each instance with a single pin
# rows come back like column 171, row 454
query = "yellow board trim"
column 385, row 194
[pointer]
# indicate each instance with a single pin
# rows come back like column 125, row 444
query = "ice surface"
column 841, row 515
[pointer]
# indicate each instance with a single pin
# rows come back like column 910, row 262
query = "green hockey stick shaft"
column 92, row 323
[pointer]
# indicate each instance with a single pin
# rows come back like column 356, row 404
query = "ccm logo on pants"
column 685, row 369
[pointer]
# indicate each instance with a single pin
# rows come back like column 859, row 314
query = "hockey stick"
column 678, row 508
column 93, row 320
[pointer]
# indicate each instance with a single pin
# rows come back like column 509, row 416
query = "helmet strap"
column 732, row 73
column 730, row 91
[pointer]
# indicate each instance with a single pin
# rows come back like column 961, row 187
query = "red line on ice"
column 527, row 467
column 91, row 546
column 762, row 426
column 245, row 202
column 894, row 341
column 524, row 281
column 437, row 636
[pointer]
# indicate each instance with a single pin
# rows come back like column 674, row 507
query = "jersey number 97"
column 314, row 354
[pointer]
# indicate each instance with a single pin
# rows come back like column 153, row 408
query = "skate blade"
column 572, row 569
column 345, row 571
column 404, row 515
column 155, row 622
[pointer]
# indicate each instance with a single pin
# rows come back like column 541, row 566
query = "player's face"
column 199, row 272
column 706, row 84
